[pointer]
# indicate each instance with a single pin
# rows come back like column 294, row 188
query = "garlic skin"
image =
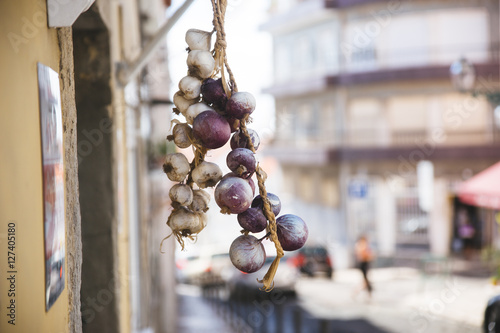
column 201, row 199
column 202, row 222
column 194, row 110
column 182, row 103
column 181, row 134
column 198, row 39
column 207, row 174
column 247, row 253
column 176, row 167
column 201, row 63
column 181, row 194
column 185, row 221
column 190, row 86
column 240, row 104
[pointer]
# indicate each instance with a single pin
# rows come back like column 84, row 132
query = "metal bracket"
column 126, row 71
column 63, row 13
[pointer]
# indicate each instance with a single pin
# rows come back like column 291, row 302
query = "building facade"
column 113, row 277
column 371, row 135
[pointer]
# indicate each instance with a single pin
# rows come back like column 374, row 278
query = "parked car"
column 492, row 315
column 190, row 268
column 314, row 260
column 207, row 269
column 217, row 272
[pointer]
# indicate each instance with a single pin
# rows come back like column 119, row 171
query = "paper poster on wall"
column 53, row 182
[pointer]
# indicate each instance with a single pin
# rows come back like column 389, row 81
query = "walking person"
column 364, row 256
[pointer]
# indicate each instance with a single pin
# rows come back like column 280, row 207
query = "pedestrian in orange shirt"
column 364, row 256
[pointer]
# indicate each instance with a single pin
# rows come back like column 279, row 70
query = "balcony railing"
column 363, row 138
column 373, row 58
column 374, row 138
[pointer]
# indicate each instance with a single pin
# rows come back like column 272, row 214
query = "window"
column 329, row 191
column 328, row 50
column 407, row 113
column 366, row 122
column 327, row 123
column 283, row 63
column 307, row 122
column 306, row 187
column 285, row 123
column 305, row 54
column 358, row 46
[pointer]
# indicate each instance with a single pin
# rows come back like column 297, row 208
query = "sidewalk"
column 196, row 314
column 404, row 300
column 423, row 303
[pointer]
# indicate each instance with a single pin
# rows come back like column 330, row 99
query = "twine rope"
column 219, row 9
column 267, row 281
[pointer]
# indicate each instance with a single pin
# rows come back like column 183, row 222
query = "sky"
column 249, row 53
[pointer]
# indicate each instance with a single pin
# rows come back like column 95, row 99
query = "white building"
column 363, row 94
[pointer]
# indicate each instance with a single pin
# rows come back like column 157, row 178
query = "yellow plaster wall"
column 25, row 40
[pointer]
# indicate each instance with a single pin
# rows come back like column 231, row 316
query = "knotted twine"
column 219, row 9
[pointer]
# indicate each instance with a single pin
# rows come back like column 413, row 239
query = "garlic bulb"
column 176, row 167
column 190, row 86
column 195, row 110
column 181, row 194
column 207, row 174
column 184, row 221
column 198, row 39
column 200, row 63
column 202, row 223
column 182, row 103
column 240, row 104
column 201, row 199
column 180, row 135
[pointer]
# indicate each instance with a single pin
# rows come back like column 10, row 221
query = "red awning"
column 483, row 189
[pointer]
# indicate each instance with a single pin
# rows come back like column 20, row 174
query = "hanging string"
column 267, row 281
column 219, row 9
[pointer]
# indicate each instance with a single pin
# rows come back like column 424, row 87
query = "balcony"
column 375, row 57
column 296, row 5
column 368, row 48
column 380, row 138
column 291, row 15
column 380, row 145
column 368, row 138
column 348, row 3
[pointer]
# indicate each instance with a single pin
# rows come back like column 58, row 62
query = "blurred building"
column 114, row 277
column 371, row 135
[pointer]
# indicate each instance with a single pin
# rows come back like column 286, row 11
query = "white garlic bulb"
column 176, row 167
column 190, row 86
column 195, row 110
column 200, row 63
column 185, row 221
column 202, row 222
column 181, row 134
column 198, row 39
column 201, row 199
column 182, row 103
column 207, row 174
column 181, row 194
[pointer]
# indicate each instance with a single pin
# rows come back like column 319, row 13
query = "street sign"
column 358, row 189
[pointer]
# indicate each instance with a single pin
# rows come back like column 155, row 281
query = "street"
column 403, row 301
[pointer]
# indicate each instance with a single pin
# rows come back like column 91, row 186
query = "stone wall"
column 73, row 221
